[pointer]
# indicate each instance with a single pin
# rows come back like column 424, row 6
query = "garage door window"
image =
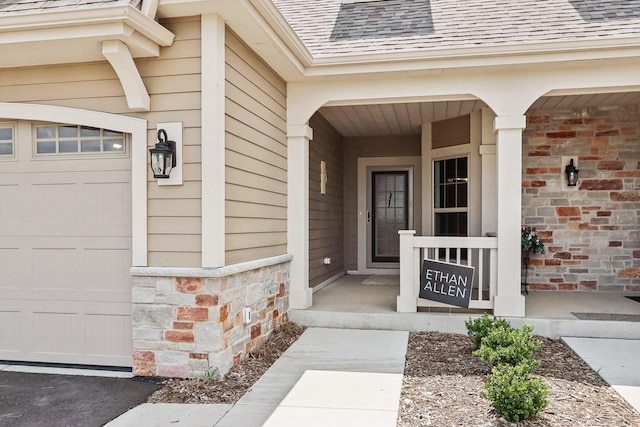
column 71, row 139
column 6, row 141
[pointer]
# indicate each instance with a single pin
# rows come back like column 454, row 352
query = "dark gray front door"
column 390, row 213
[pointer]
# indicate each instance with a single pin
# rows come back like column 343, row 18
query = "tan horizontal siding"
column 239, row 225
column 173, row 83
column 243, row 134
column 248, row 210
column 233, row 257
column 326, row 225
column 172, row 209
column 175, row 225
column 451, row 132
column 254, row 69
column 175, row 258
column 255, row 195
column 255, row 158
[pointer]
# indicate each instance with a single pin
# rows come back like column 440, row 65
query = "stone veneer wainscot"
column 591, row 231
column 187, row 319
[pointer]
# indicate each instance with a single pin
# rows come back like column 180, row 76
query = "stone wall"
column 187, row 320
column 591, row 231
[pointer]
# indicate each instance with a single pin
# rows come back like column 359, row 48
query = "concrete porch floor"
column 346, row 303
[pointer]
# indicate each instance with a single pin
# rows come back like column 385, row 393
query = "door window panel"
column 391, row 215
column 6, row 141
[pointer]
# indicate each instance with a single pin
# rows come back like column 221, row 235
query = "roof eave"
column 512, row 54
column 33, row 26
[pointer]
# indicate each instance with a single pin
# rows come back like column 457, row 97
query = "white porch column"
column 407, row 301
column 489, row 174
column 508, row 300
column 298, row 137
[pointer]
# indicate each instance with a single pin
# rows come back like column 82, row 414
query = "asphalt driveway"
column 63, row 400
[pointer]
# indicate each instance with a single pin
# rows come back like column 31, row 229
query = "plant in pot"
column 530, row 241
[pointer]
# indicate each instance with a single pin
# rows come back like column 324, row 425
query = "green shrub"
column 480, row 327
column 511, row 346
column 514, row 393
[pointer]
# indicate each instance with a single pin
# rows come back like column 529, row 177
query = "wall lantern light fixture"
column 571, row 173
column 163, row 156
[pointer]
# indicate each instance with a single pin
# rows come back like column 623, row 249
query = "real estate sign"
column 447, row 283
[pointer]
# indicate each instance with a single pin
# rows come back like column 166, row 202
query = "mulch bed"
column 237, row 381
column 441, row 385
column 443, row 381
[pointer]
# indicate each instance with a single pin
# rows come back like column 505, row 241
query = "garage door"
column 65, row 245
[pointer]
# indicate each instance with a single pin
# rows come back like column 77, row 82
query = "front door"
column 389, row 213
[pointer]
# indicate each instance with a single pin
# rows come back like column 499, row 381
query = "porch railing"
column 479, row 252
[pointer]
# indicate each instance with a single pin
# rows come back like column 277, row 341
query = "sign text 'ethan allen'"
column 446, row 283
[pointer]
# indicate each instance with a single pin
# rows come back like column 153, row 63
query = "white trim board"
column 213, row 141
column 415, row 186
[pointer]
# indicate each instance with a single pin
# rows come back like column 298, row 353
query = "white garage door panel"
column 65, row 254
column 10, row 333
column 66, row 332
column 59, row 265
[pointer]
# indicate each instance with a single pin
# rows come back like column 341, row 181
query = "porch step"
column 454, row 323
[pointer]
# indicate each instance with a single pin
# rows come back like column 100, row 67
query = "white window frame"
column 466, row 209
column 14, row 146
column 78, row 154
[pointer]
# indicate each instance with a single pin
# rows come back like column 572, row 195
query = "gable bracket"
column 119, row 56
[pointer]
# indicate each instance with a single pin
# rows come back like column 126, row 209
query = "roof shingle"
column 12, row 7
column 329, row 28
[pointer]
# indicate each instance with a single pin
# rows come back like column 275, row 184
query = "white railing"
column 479, row 252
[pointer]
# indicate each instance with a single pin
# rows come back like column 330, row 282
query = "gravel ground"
column 441, row 386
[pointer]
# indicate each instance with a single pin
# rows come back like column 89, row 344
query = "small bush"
column 480, row 327
column 514, row 393
column 511, row 346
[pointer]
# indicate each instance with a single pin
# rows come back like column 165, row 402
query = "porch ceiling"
column 407, row 118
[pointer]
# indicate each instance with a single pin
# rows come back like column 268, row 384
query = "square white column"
column 509, row 301
column 298, row 138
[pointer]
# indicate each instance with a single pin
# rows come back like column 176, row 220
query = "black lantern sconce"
column 163, row 156
column 571, row 173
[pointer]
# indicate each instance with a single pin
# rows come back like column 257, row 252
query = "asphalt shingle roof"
column 329, row 28
column 8, row 7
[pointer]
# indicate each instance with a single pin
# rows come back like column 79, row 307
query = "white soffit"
column 77, row 35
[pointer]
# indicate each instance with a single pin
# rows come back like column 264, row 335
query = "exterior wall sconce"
column 323, row 177
column 166, row 156
column 571, row 173
column 163, row 156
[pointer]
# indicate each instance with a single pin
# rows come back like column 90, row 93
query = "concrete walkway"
column 615, row 360
column 336, row 377
column 346, row 377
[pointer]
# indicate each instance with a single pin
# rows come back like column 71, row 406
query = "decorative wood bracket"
column 119, row 56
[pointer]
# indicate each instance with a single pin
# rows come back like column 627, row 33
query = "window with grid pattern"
column 7, row 141
column 72, row 139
